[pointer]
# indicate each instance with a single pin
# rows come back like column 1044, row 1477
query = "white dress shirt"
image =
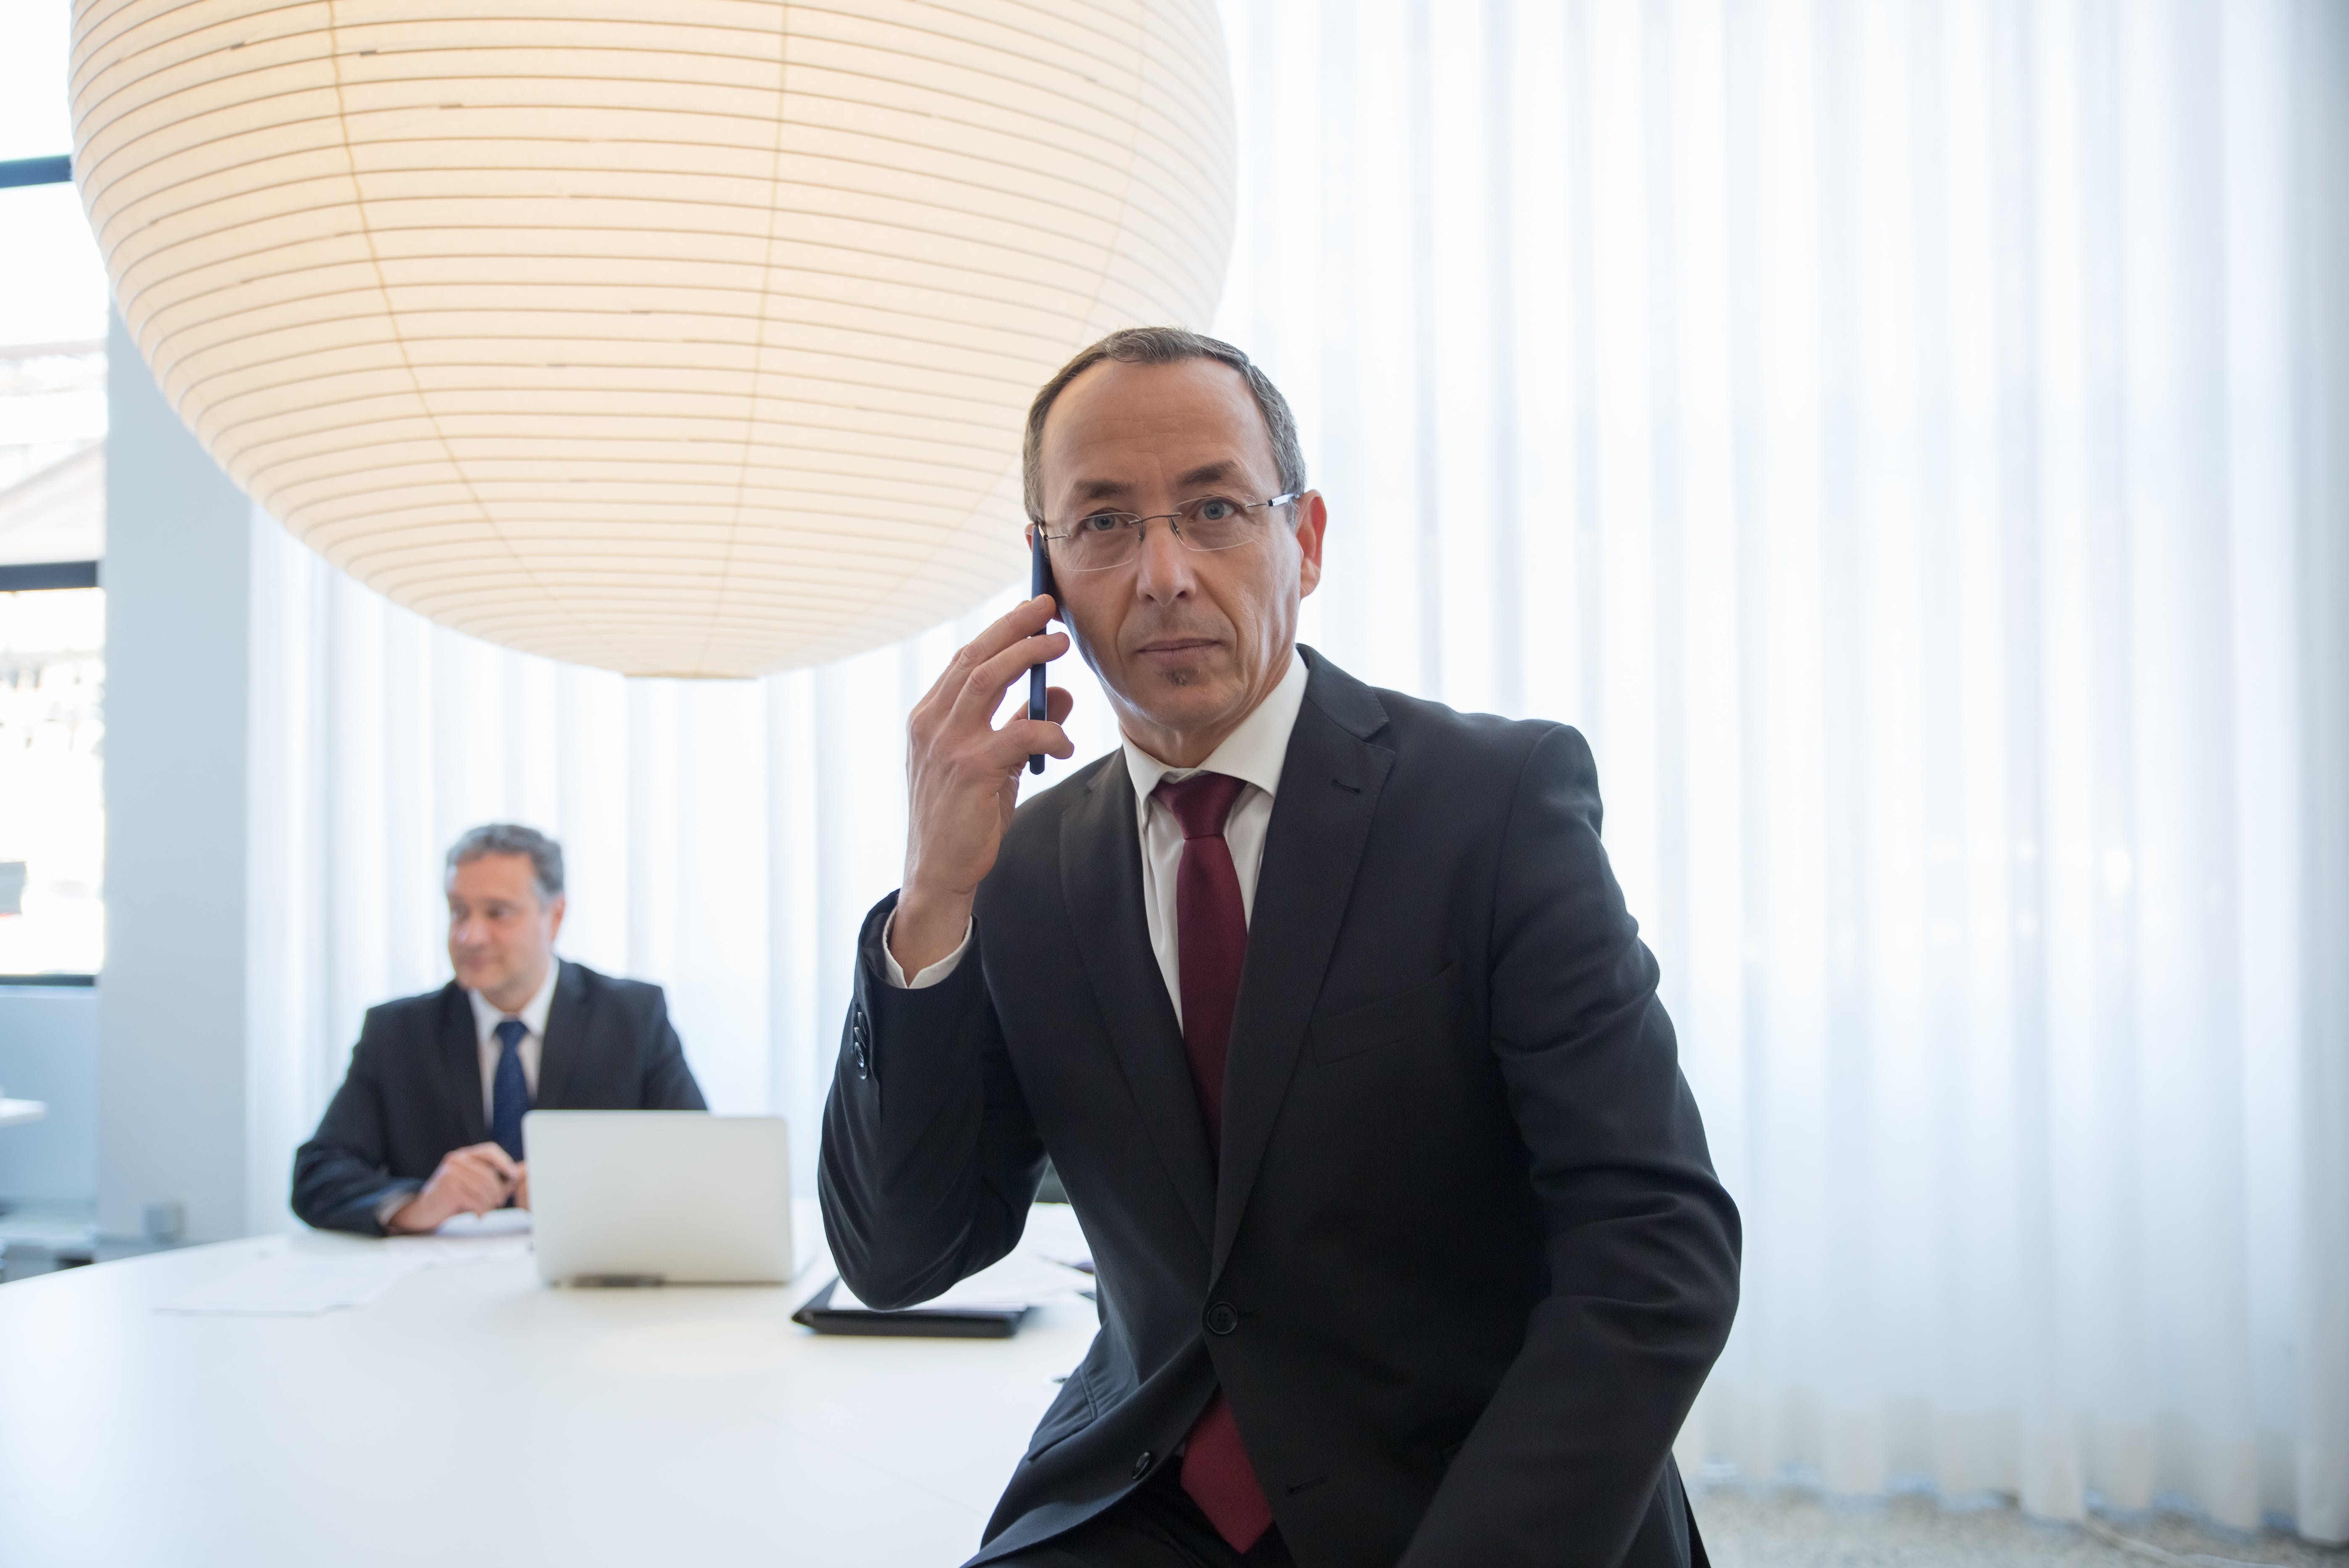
column 1254, row 753
column 486, row 1019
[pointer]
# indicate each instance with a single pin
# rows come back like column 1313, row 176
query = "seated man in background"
column 428, row 1123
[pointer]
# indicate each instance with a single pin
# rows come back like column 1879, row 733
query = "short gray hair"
column 1162, row 345
column 512, row 839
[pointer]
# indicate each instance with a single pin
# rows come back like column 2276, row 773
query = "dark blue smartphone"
column 1039, row 580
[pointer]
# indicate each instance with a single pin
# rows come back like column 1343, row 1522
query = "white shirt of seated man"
column 532, row 1013
column 502, row 930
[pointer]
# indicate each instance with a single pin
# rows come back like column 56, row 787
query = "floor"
column 1794, row 1529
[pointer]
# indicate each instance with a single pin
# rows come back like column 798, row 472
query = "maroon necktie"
column 1211, row 940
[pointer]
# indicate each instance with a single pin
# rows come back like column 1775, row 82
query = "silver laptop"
column 660, row 1197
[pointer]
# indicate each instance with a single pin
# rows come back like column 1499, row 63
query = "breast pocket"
column 1425, row 1008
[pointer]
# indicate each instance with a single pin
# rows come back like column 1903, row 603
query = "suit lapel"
column 1330, row 784
column 1100, row 878
column 459, row 1049
column 565, row 1040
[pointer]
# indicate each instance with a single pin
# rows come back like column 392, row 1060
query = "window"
column 52, row 809
column 53, row 305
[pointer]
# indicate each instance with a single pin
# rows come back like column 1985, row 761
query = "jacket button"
column 1142, row 1465
column 1223, row 1317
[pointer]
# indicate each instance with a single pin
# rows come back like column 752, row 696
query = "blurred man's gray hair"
column 1163, row 346
column 512, row 839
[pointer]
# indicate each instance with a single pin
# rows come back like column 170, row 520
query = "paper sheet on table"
column 301, row 1284
column 295, row 1286
column 466, row 1239
column 496, row 1222
column 1016, row 1281
column 440, row 1251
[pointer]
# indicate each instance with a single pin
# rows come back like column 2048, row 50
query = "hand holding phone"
column 962, row 776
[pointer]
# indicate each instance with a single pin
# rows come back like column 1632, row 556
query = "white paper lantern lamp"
column 672, row 336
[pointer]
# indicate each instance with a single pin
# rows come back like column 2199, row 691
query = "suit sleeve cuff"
column 928, row 975
column 393, row 1200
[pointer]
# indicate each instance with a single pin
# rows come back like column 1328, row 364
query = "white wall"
column 172, row 1004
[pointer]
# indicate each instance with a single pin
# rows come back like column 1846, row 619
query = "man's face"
column 501, row 935
column 1187, row 642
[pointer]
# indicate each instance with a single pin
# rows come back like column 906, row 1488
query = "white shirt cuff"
column 394, row 1201
column 928, row 976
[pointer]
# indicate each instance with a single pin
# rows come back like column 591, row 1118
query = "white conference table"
column 471, row 1414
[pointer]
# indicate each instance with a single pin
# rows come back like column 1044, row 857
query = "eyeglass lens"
column 1107, row 538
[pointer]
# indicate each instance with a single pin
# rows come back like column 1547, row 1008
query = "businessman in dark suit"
column 428, row 1123
column 1328, row 1012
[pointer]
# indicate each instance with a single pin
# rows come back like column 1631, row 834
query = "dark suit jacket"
column 414, row 1090
column 1462, row 1263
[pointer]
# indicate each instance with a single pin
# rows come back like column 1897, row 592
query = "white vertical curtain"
column 1911, row 441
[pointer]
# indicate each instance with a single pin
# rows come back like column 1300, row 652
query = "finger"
column 1018, row 738
column 1022, row 621
column 495, row 1158
column 1057, row 701
column 983, row 689
column 479, row 1182
column 988, row 682
column 478, row 1188
column 453, row 1199
column 465, row 1172
column 1016, row 742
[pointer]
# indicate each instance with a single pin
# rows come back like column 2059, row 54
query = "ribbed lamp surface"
column 672, row 336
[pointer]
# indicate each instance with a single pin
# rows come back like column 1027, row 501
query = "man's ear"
column 1313, row 520
column 555, row 908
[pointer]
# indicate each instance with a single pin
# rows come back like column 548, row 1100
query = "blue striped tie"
column 510, row 1091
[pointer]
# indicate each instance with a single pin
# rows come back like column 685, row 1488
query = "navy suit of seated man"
column 428, row 1123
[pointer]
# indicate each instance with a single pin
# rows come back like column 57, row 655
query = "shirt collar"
column 1253, row 752
column 533, row 1012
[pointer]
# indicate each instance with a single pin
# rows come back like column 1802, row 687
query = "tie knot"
column 510, row 1032
column 1201, row 802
